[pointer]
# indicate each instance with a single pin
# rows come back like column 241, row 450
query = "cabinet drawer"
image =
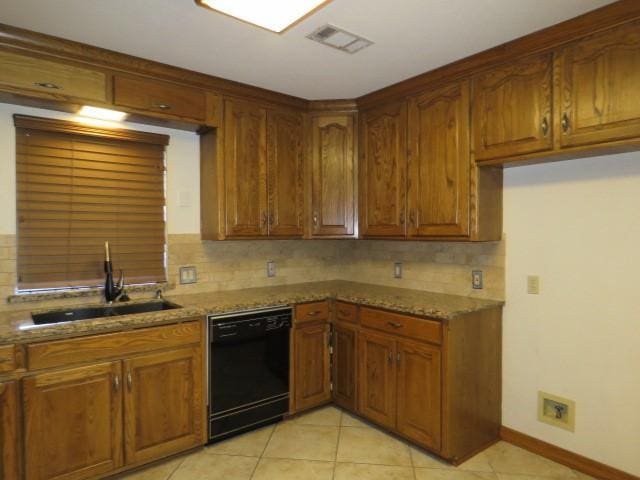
column 7, row 359
column 346, row 312
column 161, row 97
column 39, row 75
column 111, row 345
column 312, row 312
column 416, row 328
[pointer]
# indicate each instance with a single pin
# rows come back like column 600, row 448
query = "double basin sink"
column 87, row 313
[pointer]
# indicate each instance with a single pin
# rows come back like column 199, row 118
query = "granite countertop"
column 416, row 302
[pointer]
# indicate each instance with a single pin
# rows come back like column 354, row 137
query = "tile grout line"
column 182, row 460
column 335, row 460
column 253, row 473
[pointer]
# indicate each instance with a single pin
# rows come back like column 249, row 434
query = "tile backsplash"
column 443, row 267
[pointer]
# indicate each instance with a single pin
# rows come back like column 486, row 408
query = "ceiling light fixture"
column 274, row 15
column 102, row 114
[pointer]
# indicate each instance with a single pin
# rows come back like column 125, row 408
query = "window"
column 79, row 186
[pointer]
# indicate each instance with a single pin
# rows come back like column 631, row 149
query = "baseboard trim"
column 565, row 457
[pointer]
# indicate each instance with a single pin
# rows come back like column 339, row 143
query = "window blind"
column 79, row 186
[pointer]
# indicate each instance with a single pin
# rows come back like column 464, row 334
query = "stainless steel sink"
column 59, row 316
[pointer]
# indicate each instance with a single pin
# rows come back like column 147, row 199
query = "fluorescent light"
column 102, row 114
column 274, row 15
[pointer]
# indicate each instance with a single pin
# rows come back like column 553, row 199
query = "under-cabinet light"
column 102, row 114
column 274, row 15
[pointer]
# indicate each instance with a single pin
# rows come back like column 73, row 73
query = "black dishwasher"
column 248, row 370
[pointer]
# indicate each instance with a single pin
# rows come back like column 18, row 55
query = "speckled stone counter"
column 16, row 325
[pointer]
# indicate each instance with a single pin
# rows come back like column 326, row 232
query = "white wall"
column 576, row 224
column 182, row 170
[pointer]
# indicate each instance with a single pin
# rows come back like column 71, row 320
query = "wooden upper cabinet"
column 164, row 404
column 245, row 169
column 377, row 378
column 160, row 97
column 599, row 87
column 332, row 176
column 52, row 79
column 9, row 434
column 383, row 171
column 512, row 109
column 439, row 163
column 73, row 422
column 284, row 177
column 419, row 392
column 312, row 366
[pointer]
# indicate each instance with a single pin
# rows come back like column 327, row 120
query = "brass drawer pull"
column 345, row 313
column 315, row 313
column 389, row 358
column 51, row 86
column 162, row 106
column 129, row 381
column 398, row 357
column 395, row 324
column 116, row 383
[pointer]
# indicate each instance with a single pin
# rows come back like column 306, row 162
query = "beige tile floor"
column 329, row 444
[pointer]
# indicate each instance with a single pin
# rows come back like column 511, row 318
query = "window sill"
column 88, row 292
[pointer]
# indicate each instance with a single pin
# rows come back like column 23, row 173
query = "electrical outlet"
column 397, row 270
column 271, row 268
column 533, row 284
column 188, row 275
column 476, row 279
column 556, row 411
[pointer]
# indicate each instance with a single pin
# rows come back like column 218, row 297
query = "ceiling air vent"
column 337, row 38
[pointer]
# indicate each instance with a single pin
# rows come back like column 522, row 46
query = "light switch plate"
column 188, row 275
column 476, row 279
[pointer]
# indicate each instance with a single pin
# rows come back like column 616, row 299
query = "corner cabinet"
column 599, row 78
column 439, row 163
column 332, row 172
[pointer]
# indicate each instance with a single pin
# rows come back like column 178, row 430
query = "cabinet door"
column 599, row 87
column 9, row 441
column 245, row 169
column 312, row 375
column 332, row 176
column 512, row 109
column 383, row 171
column 284, row 178
column 73, row 422
column 377, row 378
column 344, row 366
column 164, row 404
column 51, row 79
column 419, row 392
column 439, row 162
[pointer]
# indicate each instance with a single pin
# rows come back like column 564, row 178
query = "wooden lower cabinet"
column 377, row 377
column 311, row 366
column 73, row 422
column 163, row 403
column 344, row 366
column 419, row 392
column 9, row 434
